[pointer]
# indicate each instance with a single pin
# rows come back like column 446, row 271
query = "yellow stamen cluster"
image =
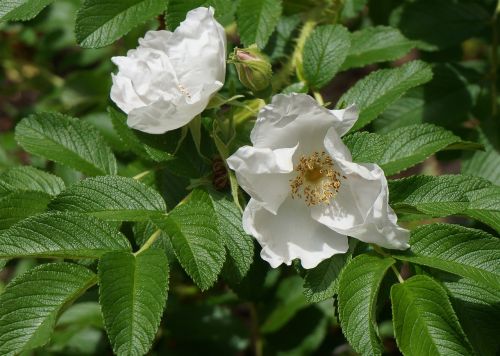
column 316, row 181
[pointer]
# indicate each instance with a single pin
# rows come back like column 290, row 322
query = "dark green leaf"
column 30, row 304
column 29, row 178
column 68, row 141
column 456, row 249
column 112, row 198
column 374, row 93
column 358, row 289
column 101, row 22
column 21, row 204
column 12, row 10
column 424, row 320
column 66, row 235
column 484, row 164
column 133, row 292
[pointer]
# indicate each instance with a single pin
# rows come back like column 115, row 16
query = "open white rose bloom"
column 307, row 195
column 171, row 76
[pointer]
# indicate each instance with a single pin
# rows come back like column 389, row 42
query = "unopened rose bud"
column 254, row 71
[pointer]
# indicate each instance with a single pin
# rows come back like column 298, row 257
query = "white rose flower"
column 171, row 76
column 306, row 193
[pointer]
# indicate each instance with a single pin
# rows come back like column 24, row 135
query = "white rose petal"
column 171, row 76
column 307, row 194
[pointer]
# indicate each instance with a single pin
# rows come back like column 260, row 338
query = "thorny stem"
column 385, row 254
column 151, row 240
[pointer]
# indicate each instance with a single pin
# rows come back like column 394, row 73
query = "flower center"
column 316, row 181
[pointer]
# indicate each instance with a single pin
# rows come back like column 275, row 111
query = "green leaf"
column 324, row 51
column 437, row 196
column 29, row 178
column 401, row 148
column 31, row 302
column 68, row 141
column 321, row 282
column 374, row 93
column 485, row 206
column 101, row 22
column 23, row 10
column 111, row 198
column 177, row 10
column 484, row 164
column 376, row 44
column 256, row 20
column 438, row 24
column 358, row 289
column 424, row 320
column 21, row 204
column 193, row 229
column 132, row 293
column 410, row 145
column 467, row 252
column 478, row 310
column 239, row 245
column 64, row 235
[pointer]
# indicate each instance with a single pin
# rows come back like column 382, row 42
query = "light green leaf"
column 31, row 302
column 467, row 252
column 101, row 22
column 68, row 141
column 478, row 310
column 374, row 93
column 29, row 178
column 376, row 44
column 256, row 20
column 410, row 145
column 111, row 198
column 365, row 146
column 321, row 282
column 324, row 51
column 23, row 10
column 132, row 293
column 239, row 245
column 63, row 235
column 193, row 229
column 21, row 204
column 358, row 289
column 424, row 321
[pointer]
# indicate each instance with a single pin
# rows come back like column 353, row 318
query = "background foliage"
column 92, row 263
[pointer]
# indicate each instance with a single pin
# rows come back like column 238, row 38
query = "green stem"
column 379, row 250
column 318, row 97
column 256, row 338
column 494, row 61
column 141, row 175
column 149, row 242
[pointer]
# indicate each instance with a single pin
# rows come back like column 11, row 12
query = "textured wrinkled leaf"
column 439, row 24
column 478, row 310
column 424, row 320
column 357, row 295
column 193, row 229
column 132, row 293
column 467, row 252
column 374, row 93
column 256, row 20
column 101, row 22
column 376, row 44
column 68, row 141
column 177, row 9
column 12, row 10
column 112, row 198
column 401, row 148
column 29, row 178
column 410, row 145
column 324, row 51
column 239, row 245
column 21, row 204
column 31, row 302
column 56, row 234
column 484, row 164
column 282, row 38
column 321, row 282
column 485, row 206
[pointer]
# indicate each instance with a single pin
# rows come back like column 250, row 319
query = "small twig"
column 149, row 242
